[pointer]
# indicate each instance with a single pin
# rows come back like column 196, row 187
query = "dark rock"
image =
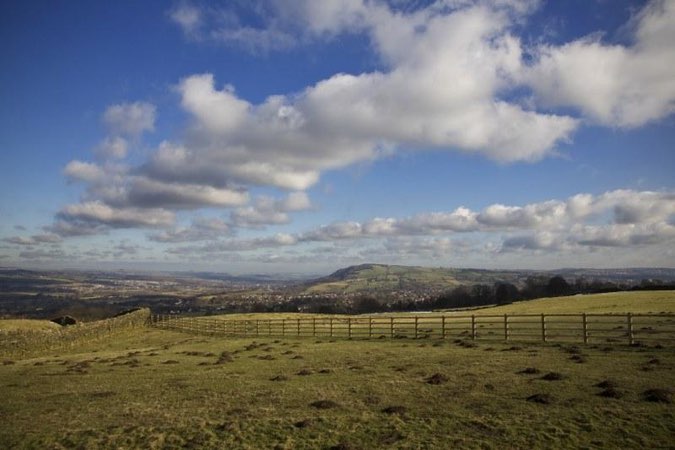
column 65, row 320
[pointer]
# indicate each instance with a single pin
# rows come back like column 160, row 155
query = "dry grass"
column 614, row 302
column 374, row 394
column 27, row 324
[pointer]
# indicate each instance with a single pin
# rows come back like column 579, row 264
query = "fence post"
column 283, row 327
column 416, row 326
column 543, row 327
column 391, row 327
column 629, row 319
column 506, row 327
column 584, row 324
column 257, row 327
column 314, row 326
column 298, row 327
column 349, row 327
column 331, row 327
column 442, row 327
column 473, row 327
column 370, row 327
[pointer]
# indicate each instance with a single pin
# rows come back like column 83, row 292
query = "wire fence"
column 582, row 328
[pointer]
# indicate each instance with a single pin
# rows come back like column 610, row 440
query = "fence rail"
column 584, row 328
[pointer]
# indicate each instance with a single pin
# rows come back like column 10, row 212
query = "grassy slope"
column 615, row 302
column 378, row 278
column 122, row 394
column 26, row 324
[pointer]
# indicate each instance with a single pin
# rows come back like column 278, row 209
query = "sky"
column 298, row 137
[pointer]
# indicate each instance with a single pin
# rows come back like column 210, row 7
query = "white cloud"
column 36, row 239
column 277, row 240
column 98, row 213
column 542, row 240
column 268, row 211
column 201, row 230
column 83, row 171
column 219, row 112
column 580, row 221
column 447, row 71
column 112, row 148
column 222, row 25
column 613, row 85
column 19, row 240
column 296, row 201
column 449, row 68
column 130, row 119
column 451, row 75
column 188, row 17
column 145, row 192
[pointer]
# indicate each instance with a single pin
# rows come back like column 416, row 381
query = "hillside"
column 379, row 279
column 638, row 302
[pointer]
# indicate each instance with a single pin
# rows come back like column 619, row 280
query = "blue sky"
column 297, row 136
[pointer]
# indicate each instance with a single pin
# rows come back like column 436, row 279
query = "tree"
column 506, row 293
column 557, row 286
column 367, row 304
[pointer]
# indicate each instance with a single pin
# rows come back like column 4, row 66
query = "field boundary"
column 584, row 328
column 29, row 342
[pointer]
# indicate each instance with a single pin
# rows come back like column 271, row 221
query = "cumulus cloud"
column 145, row 192
column 582, row 220
column 112, row 148
column 83, row 171
column 130, row 119
column 452, row 64
column 451, row 77
column 536, row 241
column 615, row 85
column 445, row 77
column 202, row 229
column 232, row 245
column 268, row 211
column 47, row 238
column 96, row 213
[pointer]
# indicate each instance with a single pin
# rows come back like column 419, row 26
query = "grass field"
column 26, row 324
column 157, row 389
column 614, row 302
column 160, row 389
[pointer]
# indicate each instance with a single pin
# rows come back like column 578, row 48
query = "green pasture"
column 153, row 388
column 613, row 302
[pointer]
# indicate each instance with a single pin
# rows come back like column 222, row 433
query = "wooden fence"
column 582, row 328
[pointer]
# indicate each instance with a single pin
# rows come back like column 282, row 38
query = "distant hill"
column 382, row 278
